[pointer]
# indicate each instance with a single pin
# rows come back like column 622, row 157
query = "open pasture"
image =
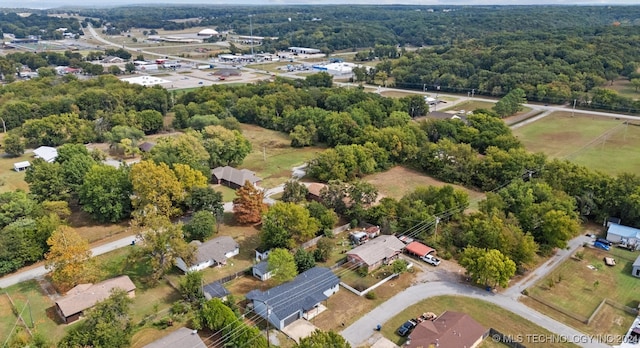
column 599, row 143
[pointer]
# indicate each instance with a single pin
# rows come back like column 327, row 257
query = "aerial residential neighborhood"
column 296, row 175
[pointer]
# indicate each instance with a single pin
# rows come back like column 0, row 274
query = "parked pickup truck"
column 430, row 259
column 406, row 328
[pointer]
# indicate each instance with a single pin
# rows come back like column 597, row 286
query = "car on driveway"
column 601, row 245
column 406, row 328
column 430, row 259
column 604, row 241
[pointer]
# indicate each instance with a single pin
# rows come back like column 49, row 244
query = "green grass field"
column 272, row 156
column 485, row 313
column 598, row 143
column 576, row 288
column 468, row 105
column 40, row 309
column 625, row 89
column 10, row 180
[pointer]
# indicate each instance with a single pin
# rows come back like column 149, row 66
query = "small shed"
column 261, row 270
column 47, row 153
column 635, row 270
column 20, row 166
column 215, row 290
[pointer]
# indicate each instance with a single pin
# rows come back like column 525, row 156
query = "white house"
column 617, row 233
column 47, row 153
column 214, row 252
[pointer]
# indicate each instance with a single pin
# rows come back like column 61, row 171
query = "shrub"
column 580, row 255
column 370, row 295
column 363, row 271
column 353, row 223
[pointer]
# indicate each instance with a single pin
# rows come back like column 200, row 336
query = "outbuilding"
column 635, row 268
column 625, row 235
column 46, row 153
column 20, row 166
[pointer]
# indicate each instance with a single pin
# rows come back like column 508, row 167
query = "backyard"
column 398, row 181
column 272, row 156
column 485, row 313
column 599, row 143
column 578, row 286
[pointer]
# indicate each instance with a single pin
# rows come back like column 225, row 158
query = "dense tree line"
column 38, row 24
column 350, row 27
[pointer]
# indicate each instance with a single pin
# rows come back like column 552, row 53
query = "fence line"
column 371, row 288
column 577, row 317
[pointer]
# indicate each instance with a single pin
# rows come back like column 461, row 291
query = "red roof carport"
column 419, row 249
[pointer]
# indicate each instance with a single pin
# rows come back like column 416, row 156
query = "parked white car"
column 431, row 260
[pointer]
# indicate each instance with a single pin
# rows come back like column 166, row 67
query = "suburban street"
column 361, row 332
column 358, row 333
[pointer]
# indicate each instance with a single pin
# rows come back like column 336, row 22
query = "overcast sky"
column 57, row 3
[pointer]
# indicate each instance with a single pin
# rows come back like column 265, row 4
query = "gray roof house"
column 261, row 270
column 291, row 301
column 376, row 252
column 183, row 337
column 84, row 296
column 215, row 290
column 233, row 177
column 213, row 252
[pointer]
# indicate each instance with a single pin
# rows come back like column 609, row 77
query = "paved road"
column 514, row 291
column 40, row 271
column 359, row 332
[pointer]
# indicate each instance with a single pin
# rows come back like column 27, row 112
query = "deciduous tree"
column 294, row 192
column 162, row 242
column 286, row 224
column 201, row 226
column 304, row 260
column 322, row 339
column 105, row 193
column 248, row 205
column 488, row 267
column 282, row 265
column 156, row 189
column 69, row 258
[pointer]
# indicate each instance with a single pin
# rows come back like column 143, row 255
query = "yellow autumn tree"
column 156, row 189
column 161, row 243
column 189, row 177
column 69, row 259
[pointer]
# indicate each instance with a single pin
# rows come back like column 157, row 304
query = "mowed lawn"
column 576, row 288
column 485, row 313
column 10, row 180
column 599, row 143
column 272, row 156
column 40, row 307
column 398, row 181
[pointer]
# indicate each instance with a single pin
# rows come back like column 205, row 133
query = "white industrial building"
column 145, row 80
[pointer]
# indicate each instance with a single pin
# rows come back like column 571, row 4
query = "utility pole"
column 473, row 91
column 424, row 87
column 574, row 108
